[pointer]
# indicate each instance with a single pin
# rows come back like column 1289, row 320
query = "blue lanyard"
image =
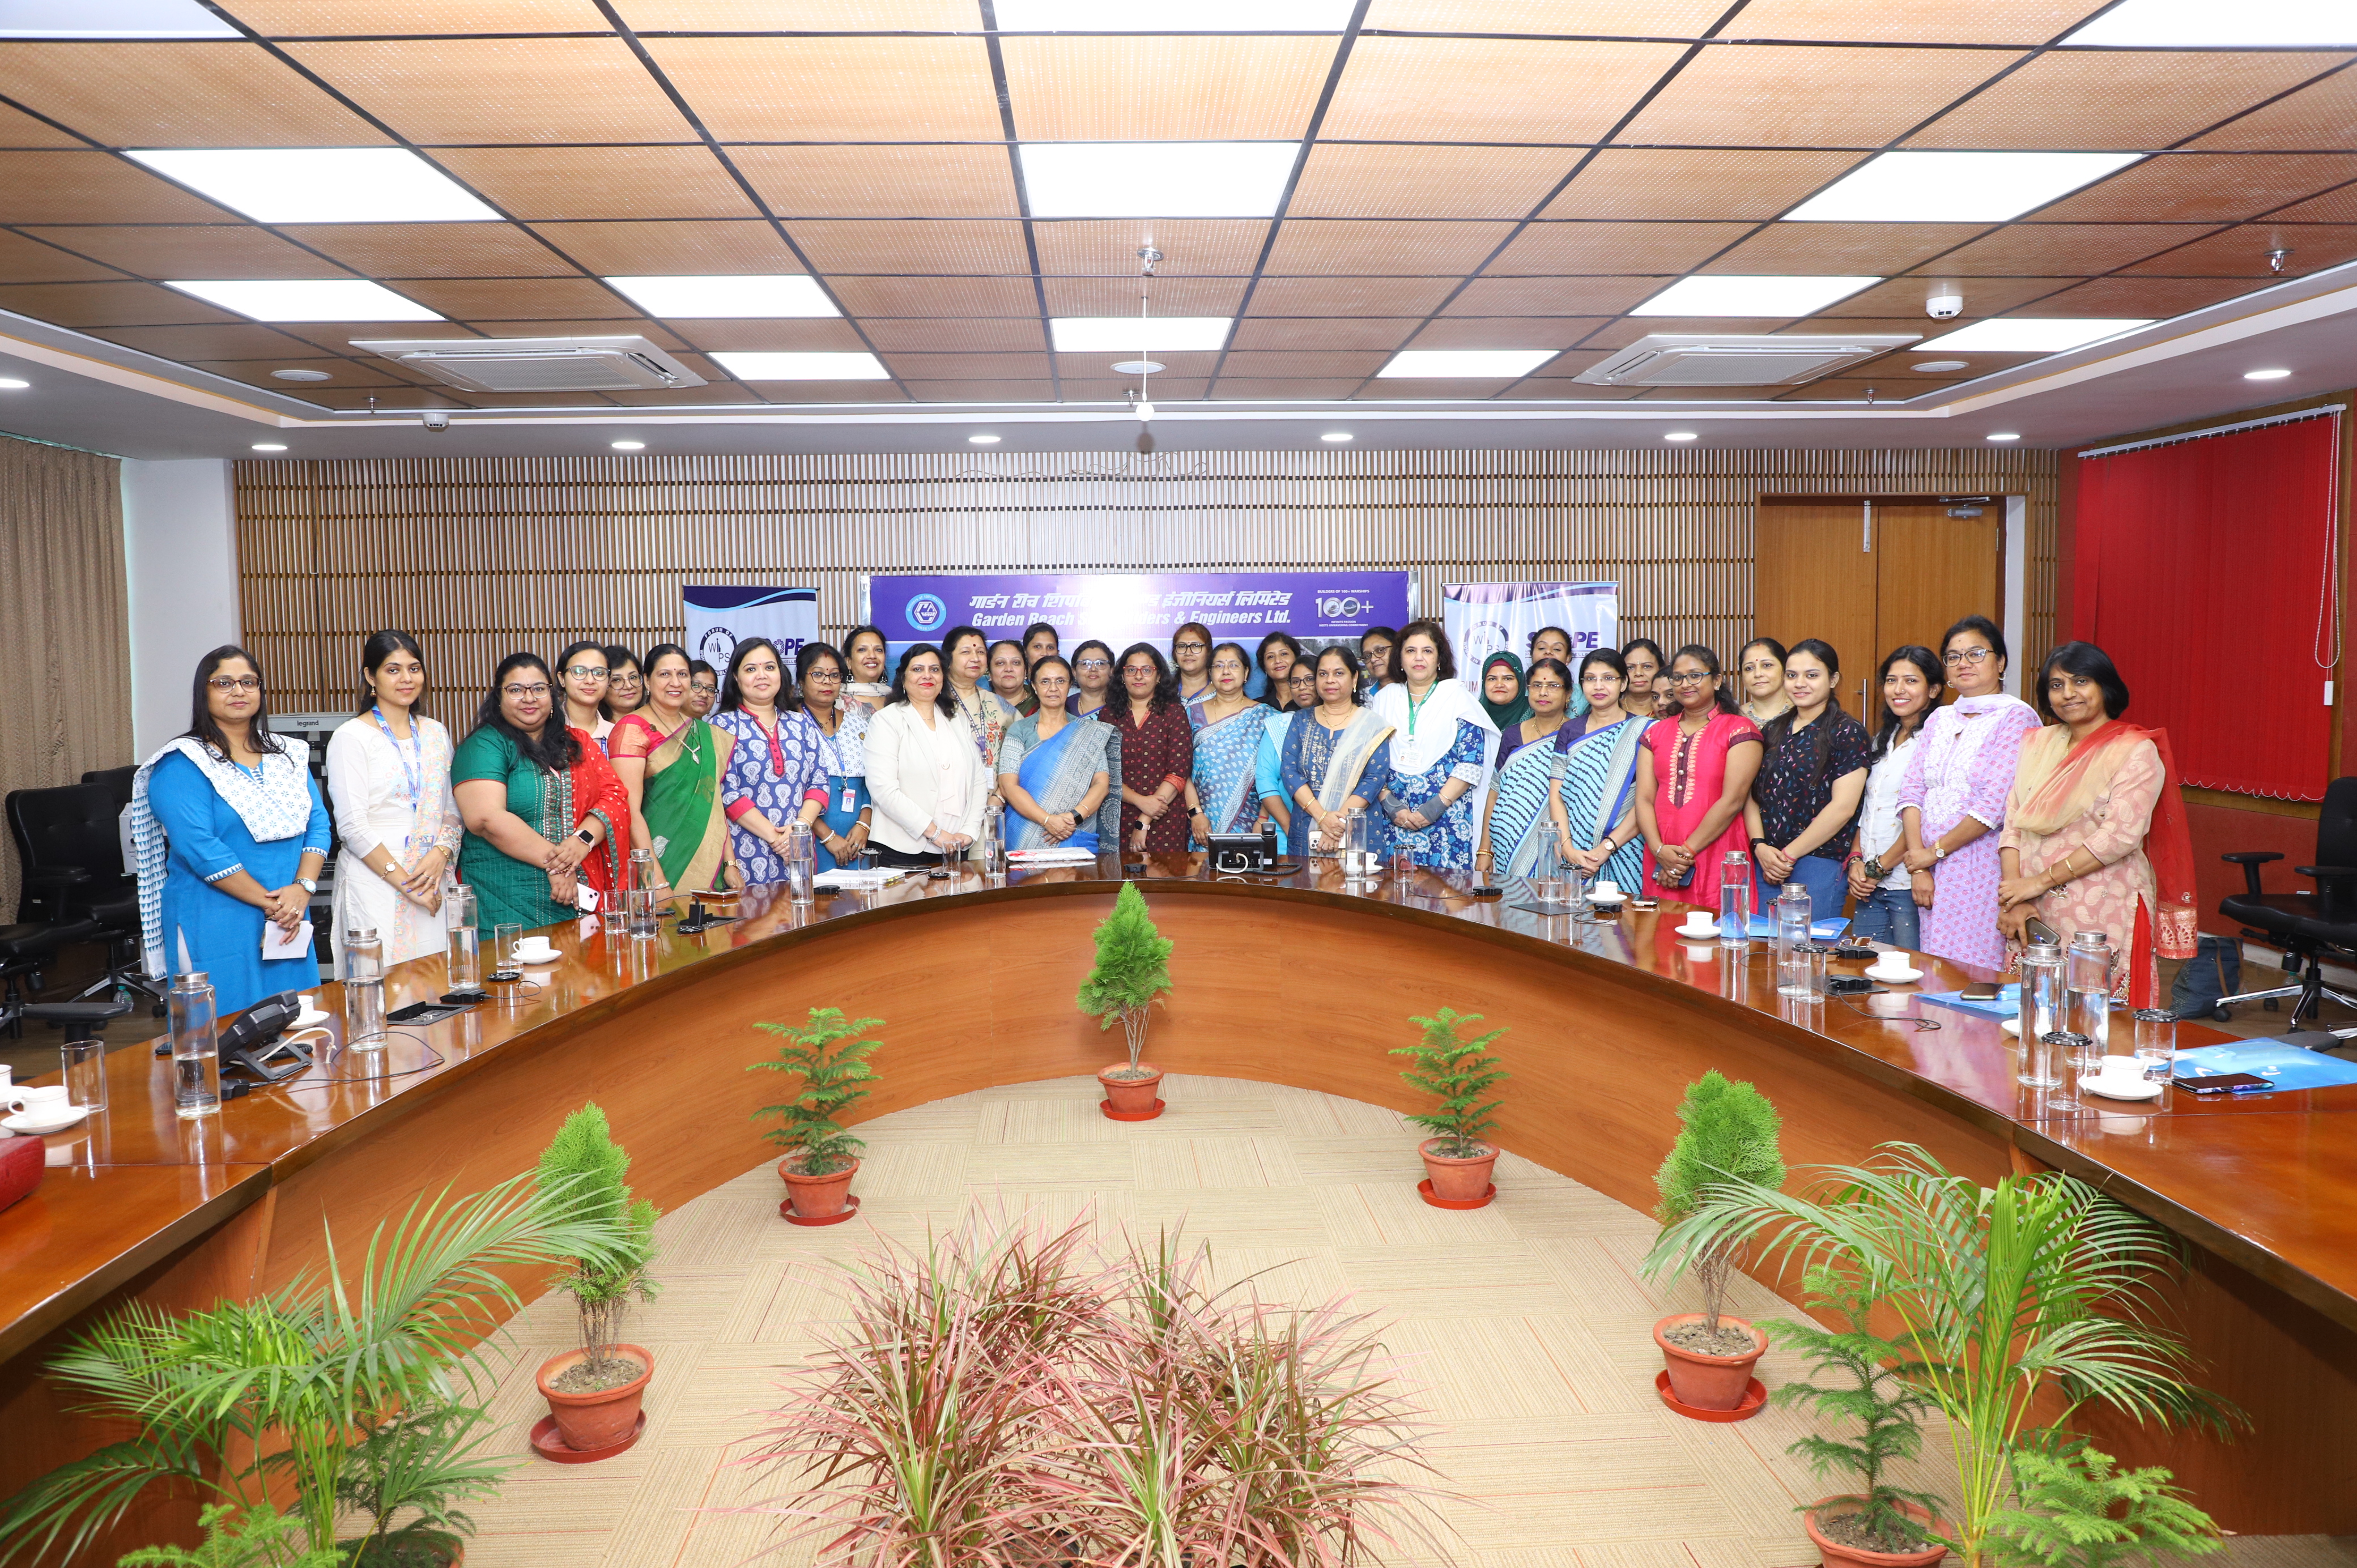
column 411, row 769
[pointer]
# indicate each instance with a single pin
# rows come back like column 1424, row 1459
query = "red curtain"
column 2206, row 569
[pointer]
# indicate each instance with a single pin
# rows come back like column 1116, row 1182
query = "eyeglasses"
column 1689, row 677
column 586, row 671
column 631, row 679
column 523, row 691
column 1966, row 656
column 1188, row 647
column 235, row 683
column 1094, row 664
column 707, row 687
column 1546, row 686
column 825, row 672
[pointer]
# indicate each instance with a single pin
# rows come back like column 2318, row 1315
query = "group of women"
column 1949, row 824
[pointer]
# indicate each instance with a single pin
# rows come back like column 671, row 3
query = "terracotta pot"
column 1131, row 1096
column 1709, row 1382
column 817, row 1196
column 594, row 1421
column 1455, row 1180
column 1836, row 1555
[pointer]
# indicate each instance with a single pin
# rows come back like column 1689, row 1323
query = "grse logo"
column 926, row 613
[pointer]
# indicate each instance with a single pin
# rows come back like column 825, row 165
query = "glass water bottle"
column 363, row 990
column 2088, row 977
column 2041, row 1015
column 195, row 1047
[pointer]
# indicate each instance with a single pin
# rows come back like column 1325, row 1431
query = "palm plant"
column 2003, row 1294
column 1457, row 1072
column 224, row 1399
column 1131, row 973
column 260, row 1537
column 834, row 1073
column 426, row 1460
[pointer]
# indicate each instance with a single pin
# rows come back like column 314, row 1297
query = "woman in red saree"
column 597, row 792
column 2095, row 835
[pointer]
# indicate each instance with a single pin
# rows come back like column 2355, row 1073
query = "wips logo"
column 926, row 613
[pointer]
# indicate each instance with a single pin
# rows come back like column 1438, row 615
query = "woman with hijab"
column 229, row 833
column 1759, row 672
column 1052, row 769
column 865, row 655
column 1515, row 820
column 1008, row 666
column 776, row 766
column 1157, row 752
column 2095, row 835
column 1592, row 797
column 1502, row 696
column 1223, row 797
column 388, row 774
column 581, row 677
column 543, row 810
column 1693, row 779
column 1441, row 741
column 1272, row 680
column 1191, row 659
column 672, row 763
column 1337, row 760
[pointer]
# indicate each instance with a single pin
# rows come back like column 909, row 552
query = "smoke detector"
column 1730, row 359
column 538, row 364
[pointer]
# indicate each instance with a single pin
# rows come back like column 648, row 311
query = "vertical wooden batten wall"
column 482, row 556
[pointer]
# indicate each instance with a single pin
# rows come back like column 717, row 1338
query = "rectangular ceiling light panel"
column 1157, row 179
column 319, row 185
column 2035, row 334
column 765, row 367
column 1762, row 297
column 2208, row 24
column 308, row 299
column 728, row 297
column 1161, row 16
column 1954, row 188
column 1139, row 334
column 1485, row 364
column 111, row 19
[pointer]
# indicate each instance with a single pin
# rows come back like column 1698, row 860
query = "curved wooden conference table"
column 1299, row 980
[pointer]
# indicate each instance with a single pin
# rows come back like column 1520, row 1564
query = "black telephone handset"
column 252, row 1046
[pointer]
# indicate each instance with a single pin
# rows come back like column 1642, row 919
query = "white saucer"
column 1891, row 977
column 2122, row 1088
column 539, row 961
column 1608, row 899
column 312, row 1017
column 2010, row 1025
column 34, row 1122
column 1699, row 933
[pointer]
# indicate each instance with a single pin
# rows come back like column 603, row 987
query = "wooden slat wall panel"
column 482, row 556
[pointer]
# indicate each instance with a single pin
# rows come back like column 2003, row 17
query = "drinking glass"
column 1793, row 970
column 2087, row 1007
column 1735, row 899
column 1402, row 863
column 800, row 857
column 363, row 990
column 85, row 1070
column 505, row 938
column 2081, row 1056
column 465, row 958
column 196, row 1047
column 1358, row 856
column 1546, row 870
column 2041, row 1013
column 646, row 914
column 2156, row 1043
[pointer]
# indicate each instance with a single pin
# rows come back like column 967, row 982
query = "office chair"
column 2307, row 927
column 116, row 780
column 68, row 843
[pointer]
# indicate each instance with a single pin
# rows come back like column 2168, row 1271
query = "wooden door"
column 1935, row 570
column 1814, row 576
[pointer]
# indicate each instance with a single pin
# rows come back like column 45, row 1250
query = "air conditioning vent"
column 538, row 364
column 1715, row 359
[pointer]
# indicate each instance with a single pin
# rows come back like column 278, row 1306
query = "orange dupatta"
column 2071, row 786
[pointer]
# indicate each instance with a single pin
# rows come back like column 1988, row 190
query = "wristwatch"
column 306, row 885
column 586, row 836
column 1874, row 869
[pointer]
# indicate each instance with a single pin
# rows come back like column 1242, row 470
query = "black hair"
column 944, row 700
column 1238, row 649
column 1184, row 629
column 615, row 657
column 700, row 667
column 1051, row 658
column 1110, row 663
column 1165, row 679
column 991, row 653
column 806, row 659
column 656, row 657
column 1350, row 658
column 205, row 729
column 1562, row 674
column 1444, row 671
column 1771, row 645
column 1709, row 660
column 732, row 690
column 556, row 750
column 851, row 639
column 380, row 646
column 1542, row 631
column 1389, row 634
column 1778, row 730
column 1661, row 659
column 1925, row 660
column 573, row 650
column 1987, row 629
column 615, row 654
column 951, row 639
column 1609, row 658
column 2089, row 663
column 1037, row 627
column 1818, row 648
column 1285, row 639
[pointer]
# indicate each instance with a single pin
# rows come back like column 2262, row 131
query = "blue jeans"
column 1888, row 915
column 1824, row 880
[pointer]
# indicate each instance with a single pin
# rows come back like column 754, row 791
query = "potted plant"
column 259, row 1537
column 424, row 1460
column 1457, row 1073
column 1132, row 973
column 2076, row 1510
column 1730, row 1135
column 594, row 1390
column 1879, row 1525
column 822, row 1157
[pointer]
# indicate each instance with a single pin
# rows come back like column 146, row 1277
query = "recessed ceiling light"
column 307, row 299
column 2204, row 24
column 2036, row 334
column 320, row 185
column 269, row 446
column 1197, row 16
column 1679, row 435
column 1757, row 297
column 1157, row 179
column 2005, row 435
column 111, row 19
column 2264, row 375
column 1149, row 334
column 765, row 367
column 1336, row 435
column 1137, row 366
column 728, row 296
column 10, row 383
column 1490, row 363
column 1935, row 367
column 299, row 376
column 629, row 446
column 983, row 440
column 1954, row 187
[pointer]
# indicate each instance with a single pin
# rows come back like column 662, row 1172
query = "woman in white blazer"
column 924, row 776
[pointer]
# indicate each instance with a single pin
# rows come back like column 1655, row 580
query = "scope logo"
column 926, row 613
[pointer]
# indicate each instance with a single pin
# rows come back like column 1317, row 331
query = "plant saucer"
column 1755, row 1396
column 549, row 1445
column 850, row 1207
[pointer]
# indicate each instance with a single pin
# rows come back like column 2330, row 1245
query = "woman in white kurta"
column 389, row 777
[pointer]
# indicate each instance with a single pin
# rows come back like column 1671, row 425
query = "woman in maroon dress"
column 1158, row 753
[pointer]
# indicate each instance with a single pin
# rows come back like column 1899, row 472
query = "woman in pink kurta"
column 1951, row 801
column 1693, row 774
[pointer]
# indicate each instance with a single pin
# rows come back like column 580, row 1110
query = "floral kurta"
column 1448, row 843
column 773, row 772
column 1689, row 777
column 2111, row 830
column 1964, row 767
column 1162, row 747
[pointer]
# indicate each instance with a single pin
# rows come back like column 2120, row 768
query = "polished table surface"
column 2268, row 1182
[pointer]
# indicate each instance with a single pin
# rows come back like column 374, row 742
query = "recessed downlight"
column 628, row 445
column 1336, row 435
column 1938, row 367
column 1680, row 434
column 299, row 375
column 269, row 446
column 982, row 438
column 2264, row 375
column 2005, row 435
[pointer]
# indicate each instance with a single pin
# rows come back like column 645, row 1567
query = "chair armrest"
column 2250, row 859
column 56, row 876
column 2326, row 873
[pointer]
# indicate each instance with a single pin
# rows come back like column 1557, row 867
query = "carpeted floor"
column 1524, row 1323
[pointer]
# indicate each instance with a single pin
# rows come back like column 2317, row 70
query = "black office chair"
column 70, row 842
column 2308, row 928
column 116, row 780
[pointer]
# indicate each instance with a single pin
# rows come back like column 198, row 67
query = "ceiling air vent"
column 538, row 364
column 1722, row 360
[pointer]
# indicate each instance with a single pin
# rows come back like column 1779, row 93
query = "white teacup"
column 536, row 950
column 1699, row 924
column 40, row 1100
column 1606, row 888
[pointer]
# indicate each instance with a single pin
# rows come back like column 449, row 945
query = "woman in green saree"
column 544, row 814
column 671, row 763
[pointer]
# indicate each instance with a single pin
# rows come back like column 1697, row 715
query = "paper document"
column 278, row 944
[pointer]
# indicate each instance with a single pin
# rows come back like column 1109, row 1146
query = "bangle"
column 1756, row 843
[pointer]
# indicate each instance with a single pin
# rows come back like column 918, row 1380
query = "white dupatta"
column 275, row 806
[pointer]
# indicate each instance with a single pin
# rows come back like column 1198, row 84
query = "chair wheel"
column 2223, row 1014
column 2269, row 1004
column 157, row 1011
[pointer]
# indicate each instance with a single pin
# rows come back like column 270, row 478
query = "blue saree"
column 1057, row 773
column 1227, row 753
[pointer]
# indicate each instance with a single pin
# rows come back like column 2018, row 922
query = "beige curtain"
column 65, row 625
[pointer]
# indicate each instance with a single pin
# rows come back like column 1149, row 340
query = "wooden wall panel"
column 482, row 556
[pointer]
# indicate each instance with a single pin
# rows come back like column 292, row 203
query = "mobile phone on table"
column 1986, row 991
column 2225, row 1083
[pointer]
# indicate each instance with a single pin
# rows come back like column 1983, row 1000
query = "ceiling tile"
column 1799, row 95
column 816, row 334
column 2322, row 117
column 256, row 372
column 2156, row 298
column 1842, row 250
column 1671, row 183
column 2334, row 207
column 379, row 18
column 1278, row 366
column 1627, row 330
column 881, row 182
column 1451, row 389
column 2115, row 99
column 982, row 392
column 542, row 183
column 1350, row 297
column 1314, row 333
column 514, row 300
column 503, row 89
column 2191, row 187
column 18, row 129
column 1903, row 299
column 2041, row 250
column 969, row 367
column 885, row 246
column 1562, row 367
column 1145, row 87
column 1342, row 180
column 1490, row 90
column 2242, row 251
column 1243, row 389
column 1552, row 296
column 1190, row 247
column 674, row 249
column 1553, row 250
column 2022, row 22
column 808, row 16
column 987, row 334
column 798, row 89
column 1506, row 331
column 432, row 249
column 1374, row 247
column 1607, row 18
column 1118, row 296
column 195, row 250
column 1115, row 389
column 25, row 260
column 932, row 297
column 108, row 305
column 93, row 188
column 243, row 340
column 179, row 95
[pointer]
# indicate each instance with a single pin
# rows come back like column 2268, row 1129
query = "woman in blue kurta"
column 229, row 833
column 777, row 770
column 1337, row 760
column 849, row 817
column 1442, row 740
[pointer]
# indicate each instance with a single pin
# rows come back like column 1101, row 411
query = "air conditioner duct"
column 1730, row 359
column 538, row 364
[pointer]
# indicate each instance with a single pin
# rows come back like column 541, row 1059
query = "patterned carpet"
column 1524, row 1324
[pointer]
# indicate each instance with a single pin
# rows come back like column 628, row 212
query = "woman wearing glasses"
column 626, row 689
column 229, row 833
column 1951, row 801
column 776, row 775
column 389, row 773
column 1091, row 686
column 543, row 812
column 1191, row 659
column 1693, row 779
column 581, row 677
column 849, row 819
